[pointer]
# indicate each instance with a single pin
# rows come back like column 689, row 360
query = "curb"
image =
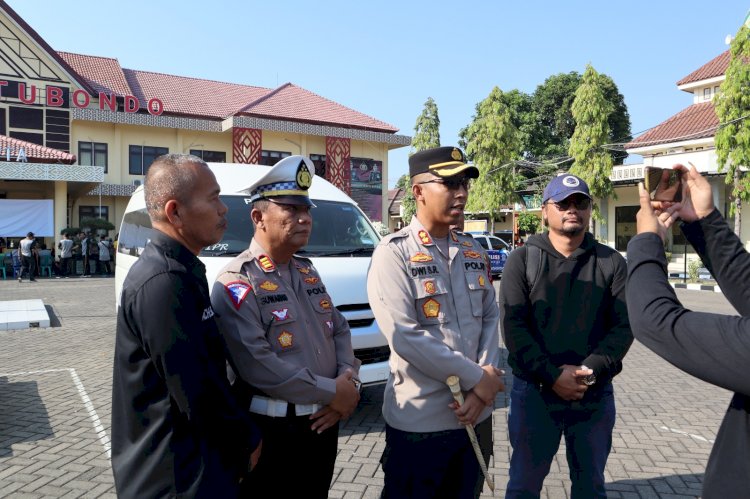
column 697, row 287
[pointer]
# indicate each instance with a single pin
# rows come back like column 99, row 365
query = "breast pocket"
column 431, row 298
column 281, row 333
column 477, row 283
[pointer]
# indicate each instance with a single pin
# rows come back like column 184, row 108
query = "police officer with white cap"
column 286, row 339
column 430, row 290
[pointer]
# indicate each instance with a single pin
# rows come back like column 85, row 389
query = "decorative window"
column 92, row 154
column 270, row 158
column 141, row 158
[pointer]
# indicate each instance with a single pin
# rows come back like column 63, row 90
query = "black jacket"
column 712, row 347
column 575, row 314
column 176, row 428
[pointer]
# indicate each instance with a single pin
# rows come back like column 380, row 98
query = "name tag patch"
column 474, row 265
column 279, row 298
column 237, row 291
column 320, row 290
column 424, row 270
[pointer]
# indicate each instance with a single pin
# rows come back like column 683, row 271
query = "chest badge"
column 424, row 237
column 325, row 304
column 304, row 270
column 472, row 254
column 266, row 263
column 311, row 280
column 431, row 308
column 280, row 315
column 237, row 291
column 285, row 339
column 420, row 257
column 269, row 286
column 481, row 280
column 429, row 287
column 467, row 244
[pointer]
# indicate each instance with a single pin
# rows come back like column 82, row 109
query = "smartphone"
column 663, row 184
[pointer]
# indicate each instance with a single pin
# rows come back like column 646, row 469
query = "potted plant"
column 100, row 225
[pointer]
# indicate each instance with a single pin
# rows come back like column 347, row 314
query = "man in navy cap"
column 286, row 339
column 565, row 324
column 430, row 291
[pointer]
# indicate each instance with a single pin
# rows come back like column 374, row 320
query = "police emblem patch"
column 325, row 304
column 420, row 257
column 424, row 237
column 429, row 287
column 472, row 254
column 481, row 280
column 280, row 315
column 456, row 154
column 431, row 308
column 311, row 280
column 304, row 179
column 237, row 291
column 286, row 339
column 266, row 263
column 269, row 286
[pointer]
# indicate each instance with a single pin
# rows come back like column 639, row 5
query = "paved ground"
column 55, row 411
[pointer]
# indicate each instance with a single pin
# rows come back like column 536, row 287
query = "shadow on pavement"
column 688, row 485
column 54, row 321
column 23, row 416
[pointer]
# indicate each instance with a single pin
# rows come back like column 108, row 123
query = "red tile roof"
column 192, row 96
column 218, row 100
column 695, row 122
column 291, row 102
column 103, row 74
column 715, row 67
column 34, row 152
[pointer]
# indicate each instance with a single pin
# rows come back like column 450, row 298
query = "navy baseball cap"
column 563, row 186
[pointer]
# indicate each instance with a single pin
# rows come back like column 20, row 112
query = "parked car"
column 340, row 247
column 496, row 248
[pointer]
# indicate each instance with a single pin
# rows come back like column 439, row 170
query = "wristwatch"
column 590, row 379
column 357, row 384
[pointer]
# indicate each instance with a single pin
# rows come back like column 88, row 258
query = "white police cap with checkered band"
column 287, row 182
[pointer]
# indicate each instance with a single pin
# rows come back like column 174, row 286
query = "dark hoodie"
column 575, row 315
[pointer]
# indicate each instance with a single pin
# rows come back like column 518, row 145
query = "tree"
column 426, row 136
column 492, row 142
column 591, row 111
column 733, row 136
column 555, row 123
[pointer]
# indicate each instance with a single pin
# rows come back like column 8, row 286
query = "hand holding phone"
column 663, row 184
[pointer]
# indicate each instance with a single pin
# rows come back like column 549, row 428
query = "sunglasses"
column 451, row 183
column 581, row 203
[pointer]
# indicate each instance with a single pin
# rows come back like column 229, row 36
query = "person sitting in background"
column 712, row 347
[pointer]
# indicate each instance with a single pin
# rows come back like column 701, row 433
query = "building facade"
column 101, row 126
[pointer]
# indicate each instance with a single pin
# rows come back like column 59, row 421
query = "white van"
column 340, row 247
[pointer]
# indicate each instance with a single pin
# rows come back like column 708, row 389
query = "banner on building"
column 21, row 216
column 367, row 186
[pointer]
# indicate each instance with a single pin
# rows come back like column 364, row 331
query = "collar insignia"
column 424, row 237
column 266, row 263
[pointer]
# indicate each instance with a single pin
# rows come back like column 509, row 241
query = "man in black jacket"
column 176, row 428
column 566, row 328
column 712, row 347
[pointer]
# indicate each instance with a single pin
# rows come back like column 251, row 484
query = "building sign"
column 58, row 97
column 367, row 186
column 12, row 152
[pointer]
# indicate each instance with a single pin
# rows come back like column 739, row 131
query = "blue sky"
column 386, row 58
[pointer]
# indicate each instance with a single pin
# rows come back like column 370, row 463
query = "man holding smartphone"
column 565, row 325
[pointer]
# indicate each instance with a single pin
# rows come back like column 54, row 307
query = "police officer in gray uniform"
column 287, row 340
column 430, row 290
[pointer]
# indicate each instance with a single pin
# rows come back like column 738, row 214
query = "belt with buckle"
column 276, row 408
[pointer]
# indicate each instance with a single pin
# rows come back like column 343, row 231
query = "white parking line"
column 100, row 432
column 680, row 432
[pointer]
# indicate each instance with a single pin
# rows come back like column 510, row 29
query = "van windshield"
column 338, row 229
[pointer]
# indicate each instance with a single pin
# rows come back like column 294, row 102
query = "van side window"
column 135, row 232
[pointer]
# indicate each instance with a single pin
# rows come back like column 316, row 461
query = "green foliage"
column 381, row 228
column 96, row 224
column 591, row 112
column 528, row 222
column 70, row 231
column 732, row 108
column 403, row 181
column 693, row 266
column 492, row 143
column 426, row 136
column 427, row 128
